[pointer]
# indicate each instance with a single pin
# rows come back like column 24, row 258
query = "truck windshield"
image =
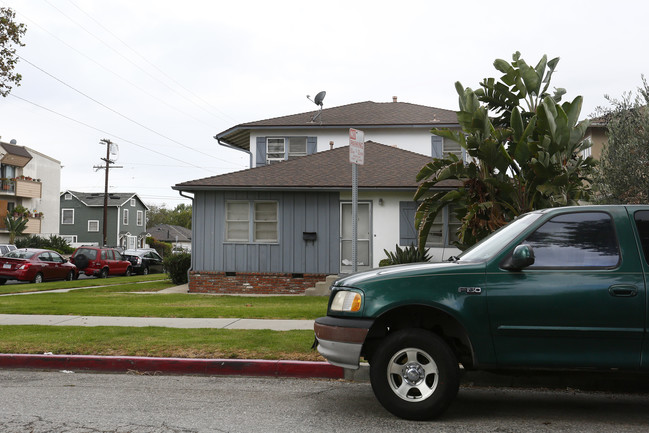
column 496, row 241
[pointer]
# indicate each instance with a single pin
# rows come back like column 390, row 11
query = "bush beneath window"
column 409, row 254
column 177, row 266
column 54, row 242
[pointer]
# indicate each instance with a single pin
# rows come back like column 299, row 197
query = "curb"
column 216, row 367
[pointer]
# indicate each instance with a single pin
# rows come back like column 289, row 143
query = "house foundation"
column 253, row 283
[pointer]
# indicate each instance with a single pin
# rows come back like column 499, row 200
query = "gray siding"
column 298, row 212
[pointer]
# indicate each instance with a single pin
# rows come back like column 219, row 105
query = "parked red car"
column 100, row 261
column 35, row 265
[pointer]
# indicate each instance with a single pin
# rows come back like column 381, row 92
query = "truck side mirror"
column 522, row 257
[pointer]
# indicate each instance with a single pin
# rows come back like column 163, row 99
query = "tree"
column 527, row 156
column 623, row 174
column 181, row 215
column 10, row 36
column 15, row 226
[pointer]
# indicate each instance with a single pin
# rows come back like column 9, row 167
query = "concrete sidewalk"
column 172, row 322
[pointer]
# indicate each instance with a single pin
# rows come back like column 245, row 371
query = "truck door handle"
column 623, row 291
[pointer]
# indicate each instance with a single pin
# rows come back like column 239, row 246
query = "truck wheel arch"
column 424, row 317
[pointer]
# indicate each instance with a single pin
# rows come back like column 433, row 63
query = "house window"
column 70, row 239
column 280, row 149
column 125, row 217
column 442, row 233
column 275, row 150
column 140, row 218
column 132, row 202
column 450, row 146
column 251, row 221
column 67, row 216
column 93, row 225
column 265, row 222
column 67, row 197
column 237, row 221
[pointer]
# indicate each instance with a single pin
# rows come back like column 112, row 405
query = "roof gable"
column 385, row 167
column 115, row 199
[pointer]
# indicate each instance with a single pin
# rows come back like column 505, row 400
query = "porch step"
column 321, row 287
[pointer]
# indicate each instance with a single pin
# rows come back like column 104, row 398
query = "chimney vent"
column 394, row 99
column 331, row 145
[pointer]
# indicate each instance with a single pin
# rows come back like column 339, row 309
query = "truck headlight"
column 346, row 301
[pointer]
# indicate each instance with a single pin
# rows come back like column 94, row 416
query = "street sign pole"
column 356, row 157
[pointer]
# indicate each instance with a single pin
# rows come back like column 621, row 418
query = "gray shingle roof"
column 385, row 167
column 97, row 198
column 359, row 115
column 169, row 233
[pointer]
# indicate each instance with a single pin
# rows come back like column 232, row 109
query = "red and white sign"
column 356, row 146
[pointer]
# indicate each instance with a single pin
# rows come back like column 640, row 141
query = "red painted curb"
column 231, row 367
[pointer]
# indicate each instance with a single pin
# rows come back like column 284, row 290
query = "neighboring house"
column 82, row 214
column 179, row 237
column 31, row 180
column 281, row 227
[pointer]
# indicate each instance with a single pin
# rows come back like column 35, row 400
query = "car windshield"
column 19, row 254
column 495, row 242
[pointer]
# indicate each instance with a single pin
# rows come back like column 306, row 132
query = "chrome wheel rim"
column 412, row 374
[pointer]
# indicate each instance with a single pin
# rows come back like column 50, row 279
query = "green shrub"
column 177, row 266
column 162, row 248
column 409, row 254
column 54, row 242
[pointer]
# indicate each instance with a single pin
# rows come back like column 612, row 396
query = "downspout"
column 191, row 266
column 229, row 146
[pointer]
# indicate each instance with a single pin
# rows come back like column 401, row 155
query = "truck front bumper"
column 340, row 340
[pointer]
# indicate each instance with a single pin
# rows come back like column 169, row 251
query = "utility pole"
column 106, row 167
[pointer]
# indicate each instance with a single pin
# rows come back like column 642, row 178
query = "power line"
column 120, row 114
column 106, row 132
column 150, row 63
column 173, row 107
column 127, row 59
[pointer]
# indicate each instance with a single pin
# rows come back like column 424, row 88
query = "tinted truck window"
column 576, row 240
column 642, row 223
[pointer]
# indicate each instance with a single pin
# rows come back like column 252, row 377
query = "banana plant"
column 527, row 157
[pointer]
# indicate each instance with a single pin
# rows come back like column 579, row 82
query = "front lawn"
column 124, row 300
column 158, row 342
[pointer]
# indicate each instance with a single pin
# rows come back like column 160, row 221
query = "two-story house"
column 288, row 219
column 29, row 180
column 82, row 215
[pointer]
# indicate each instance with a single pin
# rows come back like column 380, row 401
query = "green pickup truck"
column 561, row 288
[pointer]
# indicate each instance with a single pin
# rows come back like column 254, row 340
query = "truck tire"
column 414, row 374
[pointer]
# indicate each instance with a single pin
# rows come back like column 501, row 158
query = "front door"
column 364, row 236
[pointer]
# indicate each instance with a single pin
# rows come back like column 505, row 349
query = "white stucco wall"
column 413, row 139
column 385, row 224
column 48, row 170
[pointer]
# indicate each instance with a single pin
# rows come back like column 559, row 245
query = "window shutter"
column 407, row 231
column 311, row 145
column 437, row 143
column 260, row 157
column 287, row 144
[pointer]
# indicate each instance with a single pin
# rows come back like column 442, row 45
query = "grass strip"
column 159, row 342
column 121, row 301
column 86, row 282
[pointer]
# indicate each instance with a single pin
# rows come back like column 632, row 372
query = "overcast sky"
column 161, row 78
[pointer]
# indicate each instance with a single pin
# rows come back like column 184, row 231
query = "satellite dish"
column 317, row 101
column 319, row 98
